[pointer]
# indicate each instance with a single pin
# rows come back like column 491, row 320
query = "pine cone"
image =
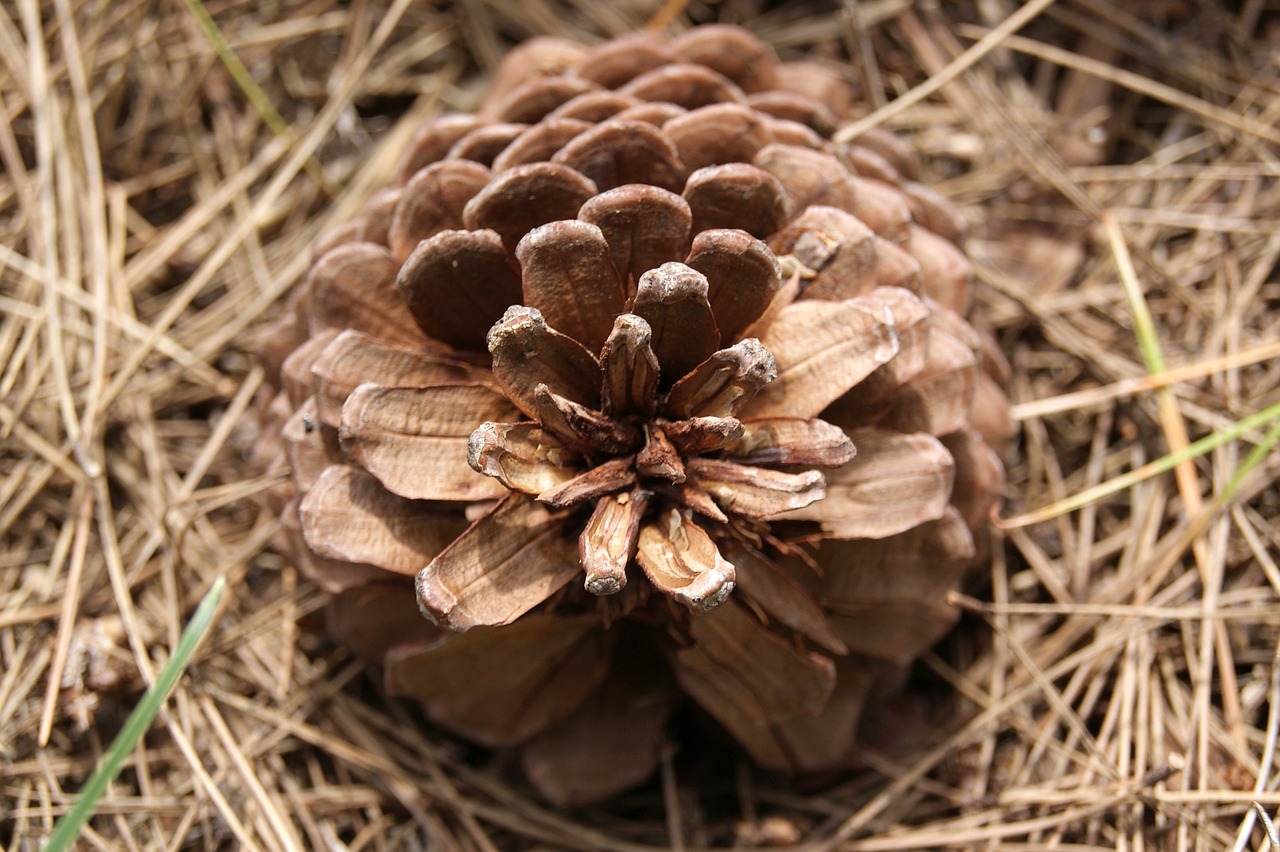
column 656, row 390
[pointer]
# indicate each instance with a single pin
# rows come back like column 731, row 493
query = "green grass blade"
column 1270, row 414
column 231, row 61
column 1256, row 457
column 244, row 80
column 68, row 827
column 1144, row 327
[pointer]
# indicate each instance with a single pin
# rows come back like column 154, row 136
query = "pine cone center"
column 664, row 465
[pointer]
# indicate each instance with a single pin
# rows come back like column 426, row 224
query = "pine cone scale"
column 505, row 564
column 752, row 670
column 346, row 515
column 415, row 439
column 823, row 349
column 555, row 257
column 897, row 482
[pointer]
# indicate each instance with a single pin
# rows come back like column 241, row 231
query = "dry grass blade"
column 1173, row 461
column 1244, row 124
column 1116, row 687
column 989, row 42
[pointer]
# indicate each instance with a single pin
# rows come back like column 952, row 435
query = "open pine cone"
column 655, row 390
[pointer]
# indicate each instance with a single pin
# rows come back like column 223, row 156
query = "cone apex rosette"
column 642, row 391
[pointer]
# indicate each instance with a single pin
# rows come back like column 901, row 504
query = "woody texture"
column 639, row 392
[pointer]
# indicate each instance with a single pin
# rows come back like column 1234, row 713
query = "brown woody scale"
column 631, row 320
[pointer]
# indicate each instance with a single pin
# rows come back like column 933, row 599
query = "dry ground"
column 1116, row 685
